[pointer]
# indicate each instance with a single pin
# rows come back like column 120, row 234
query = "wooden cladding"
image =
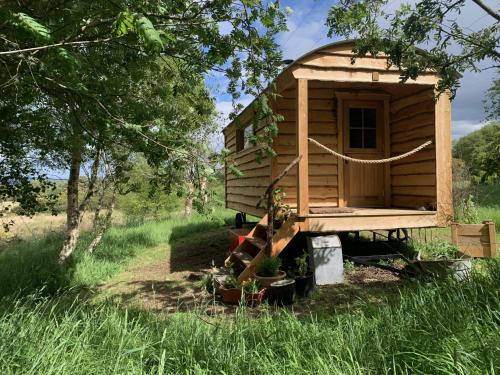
column 476, row 240
column 413, row 179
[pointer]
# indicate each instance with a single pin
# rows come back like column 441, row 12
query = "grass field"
column 132, row 308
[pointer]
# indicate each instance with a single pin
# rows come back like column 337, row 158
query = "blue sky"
column 307, row 31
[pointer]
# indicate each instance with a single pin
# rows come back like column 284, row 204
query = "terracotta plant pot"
column 253, row 299
column 265, row 281
column 304, row 285
column 230, row 296
column 233, row 296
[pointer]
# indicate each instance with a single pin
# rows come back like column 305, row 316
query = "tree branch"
column 80, row 42
column 487, row 9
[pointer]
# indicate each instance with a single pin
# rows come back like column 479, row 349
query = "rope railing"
column 370, row 161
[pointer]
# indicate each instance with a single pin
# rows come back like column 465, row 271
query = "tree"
column 480, row 150
column 451, row 48
column 81, row 77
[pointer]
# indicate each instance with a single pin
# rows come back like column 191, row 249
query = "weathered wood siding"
column 243, row 193
column 413, row 179
column 323, row 184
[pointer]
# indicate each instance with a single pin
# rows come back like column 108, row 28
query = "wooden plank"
column 315, row 128
column 290, row 140
column 426, row 131
column 387, row 153
column 382, row 222
column 428, row 191
column 248, row 200
column 313, row 159
column 493, row 238
column 257, row 172
column 412, row 202
column 427, row 154
column 302, row 148
column 411, row 111
column 414, row 118
column 356, row 75
column 443, row 160
column 407, row 101
column 251, row 210
column 328, row 180
column 414, row 180
column 252, row 191
column 340, row 149
column 427, row 167
column 251, row 181
column 401, row 148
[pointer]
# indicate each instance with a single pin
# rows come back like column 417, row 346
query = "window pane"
column 355, row 118
column 370, row 138
column 370, row 118
column 355, row 138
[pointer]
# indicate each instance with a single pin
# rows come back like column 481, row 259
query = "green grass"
column 29, row 266
column 446, row 328
column 488, row 200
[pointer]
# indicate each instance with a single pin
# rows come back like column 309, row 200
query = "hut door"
column 363, row 139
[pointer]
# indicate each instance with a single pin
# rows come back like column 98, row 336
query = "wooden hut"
column 362, row 112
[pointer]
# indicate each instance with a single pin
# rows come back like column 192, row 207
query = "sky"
column 307, row 31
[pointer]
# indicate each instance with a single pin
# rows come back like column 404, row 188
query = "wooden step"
column 243, row 257
column 257, row 242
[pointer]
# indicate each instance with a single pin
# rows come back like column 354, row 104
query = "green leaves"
column 38, row 31
column 152, row 39
column 148, row 34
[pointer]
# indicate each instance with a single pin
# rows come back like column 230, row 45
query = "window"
column 243, row 137
column 362, row 128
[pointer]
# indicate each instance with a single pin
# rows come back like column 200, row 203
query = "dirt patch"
column 171, row 283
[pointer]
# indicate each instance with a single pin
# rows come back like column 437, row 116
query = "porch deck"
column 368, row 219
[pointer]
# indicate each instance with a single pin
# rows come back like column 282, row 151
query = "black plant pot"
column 282, row 292
column 304, row 285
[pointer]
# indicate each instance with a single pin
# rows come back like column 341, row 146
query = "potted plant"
column 441, row 259
column 252, row 291
column 268, row 271
column 281, row 210
column 304, row 279
column 233, row 292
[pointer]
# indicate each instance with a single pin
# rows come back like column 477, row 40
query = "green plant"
column 269, row 266
column 250, row 286
column 467, row 211
column 437, row 249
column 281, row 209
column 349, row 266
column 302, row 264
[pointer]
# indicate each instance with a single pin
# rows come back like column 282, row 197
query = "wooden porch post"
column 302, row 124
column 443, row 159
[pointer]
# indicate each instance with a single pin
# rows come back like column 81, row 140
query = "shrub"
column 269, row 266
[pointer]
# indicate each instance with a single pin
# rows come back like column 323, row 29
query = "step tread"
column 256, row 241
column 245, row 258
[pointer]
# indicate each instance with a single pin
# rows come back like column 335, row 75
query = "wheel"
column 239, row 220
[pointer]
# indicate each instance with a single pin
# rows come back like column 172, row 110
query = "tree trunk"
column 72, row 215
column 102, row 227
column 203, row 190
column 188, row 203
column 74, row 211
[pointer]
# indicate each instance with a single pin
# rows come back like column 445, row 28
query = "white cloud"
column 460, row 128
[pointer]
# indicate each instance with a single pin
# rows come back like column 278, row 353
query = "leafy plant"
column 250, row 286
column 281, row 209
column 437, row 249
column 269, row 266
column 302, row 264
column 467, row 212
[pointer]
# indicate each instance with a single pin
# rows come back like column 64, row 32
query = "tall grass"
column 449, row 328
column 31, row 265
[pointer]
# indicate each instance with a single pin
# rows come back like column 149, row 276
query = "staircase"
column 250, row 252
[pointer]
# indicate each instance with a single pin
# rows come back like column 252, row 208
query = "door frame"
column 342, row 97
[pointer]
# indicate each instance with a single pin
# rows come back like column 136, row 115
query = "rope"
column 371, row 161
